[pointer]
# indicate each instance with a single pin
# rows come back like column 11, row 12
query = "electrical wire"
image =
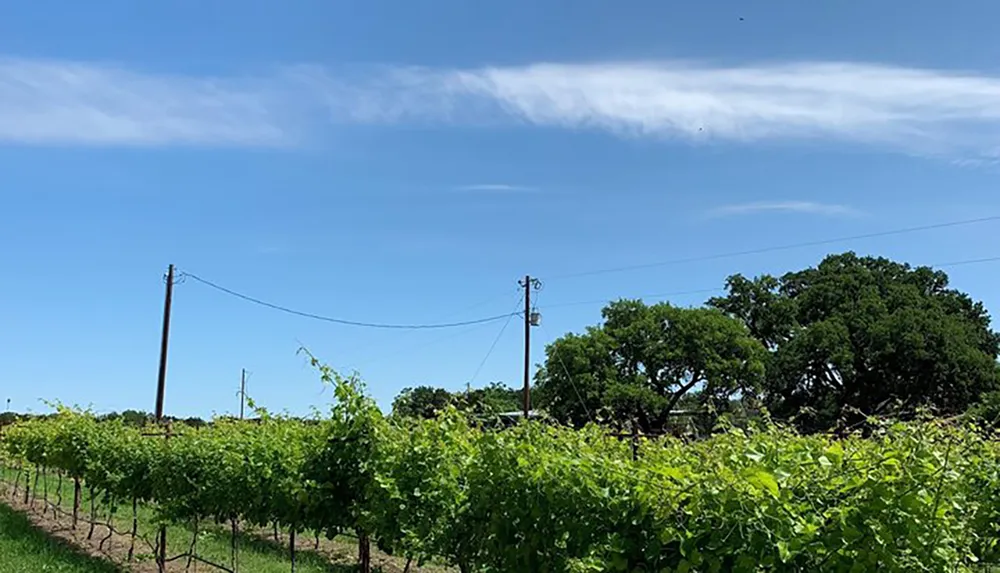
column 787, row 247
column 572, row 383
column 722, row 289
column 367, row 356
column 966, row 262
column 494, row 345
column 408, row 349
column 340, row 320
column 655, row 295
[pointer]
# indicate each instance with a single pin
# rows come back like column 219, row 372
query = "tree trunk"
column 191, row 548
column 291, row 546
column 161, row 549
column 364, row 553
column 111, row 526
column 680, row 394
column 235, row 545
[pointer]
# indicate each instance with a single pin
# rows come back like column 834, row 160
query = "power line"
column 656, row 295
column 572, row 383
column 495, row 341
column 778, row 248
column 966, row 262
column 722, row 289
column 343, row 321
column 406, row 348
column 495, row 318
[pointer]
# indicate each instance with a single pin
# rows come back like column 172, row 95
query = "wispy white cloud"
column 916, row 110
column 59, row 102
column 498, row 187
column 945, row 113
column 807, row 207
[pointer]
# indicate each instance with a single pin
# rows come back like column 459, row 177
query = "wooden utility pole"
column 162, row 379
column 528, row 283
column 161, row 382
column 243, row 390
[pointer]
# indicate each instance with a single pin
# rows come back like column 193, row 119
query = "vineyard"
column 921, row 496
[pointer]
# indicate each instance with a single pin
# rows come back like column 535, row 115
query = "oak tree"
column 643, row 360
column 865, row 335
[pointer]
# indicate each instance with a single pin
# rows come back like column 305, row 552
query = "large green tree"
column 864, row 334
column 643, row 360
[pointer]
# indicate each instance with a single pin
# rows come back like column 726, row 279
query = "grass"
column 214, row 542
column 257, row 554
column 25, row 548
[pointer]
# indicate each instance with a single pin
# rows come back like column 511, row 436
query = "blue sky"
column 407, row 162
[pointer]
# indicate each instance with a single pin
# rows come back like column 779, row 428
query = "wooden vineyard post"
column 34, row 493
column 17, row 480
column 58, row 504
column 135, row 528
column 291, row 546
column 76, row 501
column 93, row 513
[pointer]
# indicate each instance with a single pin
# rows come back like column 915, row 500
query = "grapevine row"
column 909, row 497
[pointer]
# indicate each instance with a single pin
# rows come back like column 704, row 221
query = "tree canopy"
column 420, row 402
column 865, row 335
column 850, row 337
column 643, row 360
column 427, row 401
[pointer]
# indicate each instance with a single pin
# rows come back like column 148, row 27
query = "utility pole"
column 161, row 383
column 243, row 390
column 530, row 319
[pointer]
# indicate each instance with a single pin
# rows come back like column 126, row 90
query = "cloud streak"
column 943, row 113
column 58, row 102
column 926, row 111
column 803, row 207
column 496, row 187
